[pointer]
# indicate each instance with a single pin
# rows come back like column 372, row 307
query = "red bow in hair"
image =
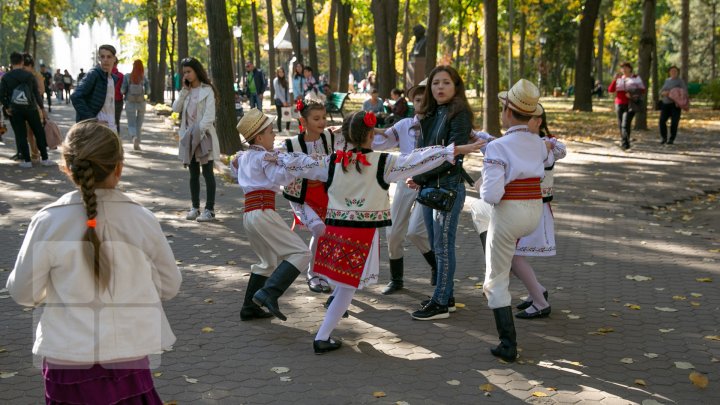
column 299, row 105
column 370, row 119
column 346, row 157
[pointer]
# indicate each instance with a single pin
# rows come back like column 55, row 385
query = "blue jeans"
column 255, row 101
column 442, row 228
column 135, row 116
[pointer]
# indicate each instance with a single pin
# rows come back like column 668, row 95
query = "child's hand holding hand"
column 469, row 148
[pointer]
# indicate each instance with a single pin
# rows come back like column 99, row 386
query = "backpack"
column 22, row 98
column 135, row 93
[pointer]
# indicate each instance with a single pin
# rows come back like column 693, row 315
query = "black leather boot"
column 432, row 261
column 281, row 279
column 396, row 277
column 507, row 349
column 251, row 310
column 483, row 241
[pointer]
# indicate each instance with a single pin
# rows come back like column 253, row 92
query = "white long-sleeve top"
column 518, row 154
column 255, row 173
column 402, row 135
column 79, row 323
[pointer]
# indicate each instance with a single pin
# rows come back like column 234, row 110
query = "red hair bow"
column 299, row 105
column 346, row 157
column 370, row 119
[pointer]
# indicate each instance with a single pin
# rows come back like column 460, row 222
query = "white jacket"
column 205, row 117
column 79, row 323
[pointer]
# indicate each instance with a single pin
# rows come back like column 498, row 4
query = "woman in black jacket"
column 447, row 119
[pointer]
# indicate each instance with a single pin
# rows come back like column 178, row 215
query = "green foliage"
column 711, row 92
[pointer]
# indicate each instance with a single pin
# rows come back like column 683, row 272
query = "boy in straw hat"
column 511, row 201
column 270, row 237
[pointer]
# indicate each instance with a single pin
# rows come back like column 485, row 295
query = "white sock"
column 340, row 304
column 313, row 249
column 524, row 271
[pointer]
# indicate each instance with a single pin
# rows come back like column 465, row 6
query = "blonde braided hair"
column 92, row 152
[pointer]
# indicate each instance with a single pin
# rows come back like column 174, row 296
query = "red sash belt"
column 523, row 189
column 260, row 200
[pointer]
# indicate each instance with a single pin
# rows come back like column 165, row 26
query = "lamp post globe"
column 299, row 16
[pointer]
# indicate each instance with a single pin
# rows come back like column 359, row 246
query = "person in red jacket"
column 628, row 89
column 118, row 95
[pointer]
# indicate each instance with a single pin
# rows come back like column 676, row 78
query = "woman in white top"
column 199, row 146
column 282, row 96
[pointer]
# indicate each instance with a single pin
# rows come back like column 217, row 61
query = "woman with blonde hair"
column 134, row 87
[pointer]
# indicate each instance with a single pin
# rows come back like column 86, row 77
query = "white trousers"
column 505, row 223
column 273, row 241
column 407, row 222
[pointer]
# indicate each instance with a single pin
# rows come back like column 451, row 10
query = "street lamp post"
column 237, row 33
column 207, row 43
column 299, row 20
column 541, row 70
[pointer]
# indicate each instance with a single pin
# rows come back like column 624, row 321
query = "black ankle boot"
column 281, row 279
column 396, row 277
column 507, row 349
column 251, row 310
column 432, row 261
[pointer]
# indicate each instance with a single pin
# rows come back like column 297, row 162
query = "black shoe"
column 324, row 346
column 254, row 312
column 507, row 349
column 281, row 279
column 396, row 277
column 251, row 310
column 431, row 311
column 318, row 285
column 451, row 304
column 663, row 142
column 526, row 304
column 329, row 301
column 539, row 313
column 670, row 142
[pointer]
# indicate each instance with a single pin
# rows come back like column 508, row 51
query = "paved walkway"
column 647, row 213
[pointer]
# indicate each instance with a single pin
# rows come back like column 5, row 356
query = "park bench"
column 335, row 104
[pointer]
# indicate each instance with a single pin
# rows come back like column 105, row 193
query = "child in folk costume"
column 357, row 183
column 406, row 215
column 308, row 198
column 101, row 265
column 511, row 202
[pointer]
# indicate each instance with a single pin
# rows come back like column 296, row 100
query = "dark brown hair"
column 92, row 152
column 459, row 101
column 355, row 131
column 310, row 105
column 627, row 64
column 200, row 72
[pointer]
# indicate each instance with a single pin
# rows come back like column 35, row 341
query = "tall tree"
column 521, row 60
column 271, row 47
column 685, row 40
column 385, row 14
column 344, row 42
column 511, row 23
column 310, row 23
column 32, row 23
column 647, row 43
column 406, row 82
column 584, row 52
column 332, row 51
column 433, row 30
column 600, row 49
column 182, row 31
column 256, row 33
column 171, row 55
column 222, row 76
column 162, row 59
column 713, row 42
column 491, row 112
column 151, row 8
column 288, row 12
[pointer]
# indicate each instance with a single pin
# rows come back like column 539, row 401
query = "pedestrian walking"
column 199, row 147
column 282, row 97
column 67, row 85
column 254, row 85
column 135, row 86
column 671, row 107
column 118, row 95
column 102, row 315
column 47, row 81
column 81, row 75
column 58, row 85
column 628, row 89
column 29, row 66
column 94, row 97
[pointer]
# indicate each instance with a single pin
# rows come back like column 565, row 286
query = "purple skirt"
column 126, row 383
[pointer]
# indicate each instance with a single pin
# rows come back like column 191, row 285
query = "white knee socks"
column 524, row 271
column 340, row 304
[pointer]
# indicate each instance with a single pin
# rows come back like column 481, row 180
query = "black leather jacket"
column 437, row 129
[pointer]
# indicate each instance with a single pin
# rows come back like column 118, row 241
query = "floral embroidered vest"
column 297, row 189
column 358, row 199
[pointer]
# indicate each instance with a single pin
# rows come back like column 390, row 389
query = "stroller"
column 239, row 98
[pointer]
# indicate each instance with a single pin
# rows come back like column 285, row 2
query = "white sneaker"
column 207, row 216
column 26, row 165
column 47, row 162
column 192, row 214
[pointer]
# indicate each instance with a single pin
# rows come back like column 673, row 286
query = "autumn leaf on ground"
column 589, row 263
column 666, row 330
column 231, row 262
column 7, row 374
column 170, row 403
column 285, row 379
column 378, row 394
column 539, row 394
column 280, row 370
column 487, row 387
column 453, row 382
column 650, row 355
column 207, row 329
column 190, row 380
column 696, row 295
column 666, row 309
column 695, row 303
column 158, row 374
column 627, row 360
column 208, row 300
column 683, row 365
column 704, row 280
column 679, row 297
column 699, row 380
column 633, row 306
column 713, row 337
column 641, row 382
column 638, row 278
column 459, row 305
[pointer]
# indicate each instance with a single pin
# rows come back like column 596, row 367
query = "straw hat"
column 411, row 92
column 523, row 98
column 252, row 123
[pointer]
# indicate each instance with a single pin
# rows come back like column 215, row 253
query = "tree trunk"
column 32, row 17
column 406, row 81
column 241, row 50
column 655, row 79
column 475, row 60
column 332, row 51
column 511, row 22
column 601, row 48
column 615, row 59
column 713, row 42
column 491, row 113
column 152, row 63
column 521, row 61
column 685, row 40
column 256, row 34
column 294, row 33
column 171, row 54
column 385, row 13
column 271, row 49
column 433, row 30
column 182, row 32
column 584, row 57
column 222, row 76
column 344, row 42
column 647, row 41
column 312, row 43
column 162, row 63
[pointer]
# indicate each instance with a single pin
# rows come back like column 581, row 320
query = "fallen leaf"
column 285, row 379
column 714, row 250
column 710, row 337
column 650, row 355
column 158, row 374
column 402, row 403
column 478, row 285
column 459, row 305
column 627, row 360
column 683, row 365
column 606, row 330
column 699, row 380
column 695, row 303
column 208, row 300
column 534, row 382
column 633, row 306
column 679, row 297
column 639, row 381
column 666, row 330
column 378, row 394
column 614, row 314
column 231, row 262
column 487, row 387
column 207, row 329
column 573, row 316
column 704, row 280
column 551, row 388
column 638, row 278
column 696, row 295
column 666, row 309
column 280, row 370
column 190, row 380
column 7, row 374
column 589, row 263
column 539, row 394
column 170, row 403
column 453, row 382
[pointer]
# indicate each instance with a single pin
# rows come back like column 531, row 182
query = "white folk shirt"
column 80, row 324
column 402, row 135
column 255, row 173
column 518, row 154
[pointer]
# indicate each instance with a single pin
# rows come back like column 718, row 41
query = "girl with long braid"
column 111, row 267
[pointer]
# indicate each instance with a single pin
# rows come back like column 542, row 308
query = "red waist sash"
column 523, row 189
column 260, row 200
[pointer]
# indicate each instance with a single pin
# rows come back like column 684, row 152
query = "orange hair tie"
column 91, row 223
